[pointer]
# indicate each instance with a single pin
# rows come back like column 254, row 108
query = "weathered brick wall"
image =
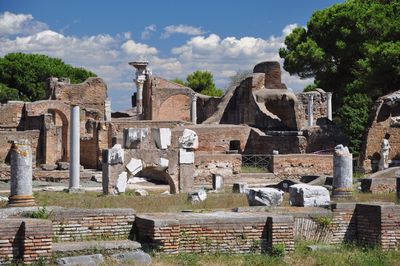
column 319, row 110
column 7, row 136
column 224, row 232
column 85, row 224
column 25, row 240
column 207, row 164
column 343, row 225
column 206, row 107
column 390, row 226
column 11, row 114
column 295, row 165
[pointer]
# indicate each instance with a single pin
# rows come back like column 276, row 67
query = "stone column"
column 141, row 75
column 139, row 96
column 310, row 108
column 107, row 110
column 74, row 158
column 329, row 105
column 21, row 174
column 342, row 172
column 193, row 98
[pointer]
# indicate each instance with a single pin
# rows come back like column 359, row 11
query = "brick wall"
column 295, row 165
column 25, row 240
column 215, row 232
column 11, row 114
column 7, row 136
column 78, row 224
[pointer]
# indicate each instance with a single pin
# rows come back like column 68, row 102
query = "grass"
column 152, row 203
column 343, row 256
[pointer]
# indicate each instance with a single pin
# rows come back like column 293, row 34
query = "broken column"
column 188, row 142
column 329, row 105
column 114, row 176
column 141, row 72
column 74, row 158
column 107, row 110
column 193, row 98
column 310, row 108
column 342, row 186
column 21, row 174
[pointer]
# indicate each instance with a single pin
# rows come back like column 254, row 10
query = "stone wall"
column 7, row 136
column 320, row 110
column 296, row 165
column 86, row 224
column 206, row 107
column 11, row 115
column 207, row 164
column 215, row 232
column 25, row 240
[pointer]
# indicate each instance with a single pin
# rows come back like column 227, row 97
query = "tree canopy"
column 23, row 76
column 353, row 50
column 202, row 82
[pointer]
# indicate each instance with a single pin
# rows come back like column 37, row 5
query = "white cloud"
column 288, row 29
column 12, row 24
column 108, row 56
column 148, row 30
column 182, row 29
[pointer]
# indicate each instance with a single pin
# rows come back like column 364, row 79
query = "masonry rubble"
column 218, row 182
column 240, row 187
column 197, row 196
column 342, row 185
column 265, row 197
column 133, row 137
column 304, row 195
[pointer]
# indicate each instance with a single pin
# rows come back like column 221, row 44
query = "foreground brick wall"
column 291, row 165
column 25, row 240
column 85, row 224
column 221, row 232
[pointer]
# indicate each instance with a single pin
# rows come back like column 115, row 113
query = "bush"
column 41, row 213
column 277, row 250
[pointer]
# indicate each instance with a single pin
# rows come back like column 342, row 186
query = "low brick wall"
column 86, row 224
column 296, row 165
column 214, row 232
column 25, row 240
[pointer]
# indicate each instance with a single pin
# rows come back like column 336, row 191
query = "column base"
column 21, row 201
column 342, row 194
column 75, row 190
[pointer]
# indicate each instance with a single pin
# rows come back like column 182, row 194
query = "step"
column 88, row 246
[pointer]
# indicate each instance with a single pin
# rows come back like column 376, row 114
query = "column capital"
column 310, row 96
column 193, row 96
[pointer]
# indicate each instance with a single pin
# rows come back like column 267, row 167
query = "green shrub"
column 277, row 250
column 323, row 221
column 41, row 213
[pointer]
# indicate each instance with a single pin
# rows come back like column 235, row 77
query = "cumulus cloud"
column 108, row 55
column 12, row 24
column 182, row 29
column 148, row 30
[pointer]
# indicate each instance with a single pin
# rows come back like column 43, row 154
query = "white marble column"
column 74, row 149
column 21, row 174
column 193, row 98
column 107, row 110
column 329, row 105
column 139, row 95
column 310, row 108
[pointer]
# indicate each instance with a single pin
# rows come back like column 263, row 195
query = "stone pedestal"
column 21, row 175
column 342, row 173
column 74, row 160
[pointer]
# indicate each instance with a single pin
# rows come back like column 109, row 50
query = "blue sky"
column 177, row 37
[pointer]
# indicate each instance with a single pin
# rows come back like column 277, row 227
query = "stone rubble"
column 197, row 196
column 270, row 197
column 304, row 195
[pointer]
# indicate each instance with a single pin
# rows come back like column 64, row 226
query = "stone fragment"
column 218, row 183
column 240, row 187
column 162, row 137
column 48, row 167
column 197, row 196
column 308, row 196
column 62, row 165
column 141, row 192
column 166, row 193
column 3, row 198
column 265, row 197
column 137, row 257
column 120, row 186
column 97, row 178
column 189, row 139
column 135, row 179
column 134, row 166
column 132, row 137
column 115, row 155
column 87, row 260
column 164, row 163
column 186, row 157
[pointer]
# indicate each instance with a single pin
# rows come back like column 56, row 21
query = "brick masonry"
column 25, row 240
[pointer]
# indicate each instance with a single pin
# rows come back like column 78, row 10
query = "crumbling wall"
column 320, row 111
column 11, row 117
column 7, row 136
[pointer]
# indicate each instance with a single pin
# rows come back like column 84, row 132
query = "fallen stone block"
column 87, row 260
column 48, row 167
column 132, row 137
column 189, row 139
column 62, row 165
column 240, row 187
column 134, row 166
column 197, row 196
column 162, row 137
column 120, row 186
column 186, row 157
column 137, row 257
column 141, row 192
column 265, row 197
column 97, row 178
column 308, row 196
